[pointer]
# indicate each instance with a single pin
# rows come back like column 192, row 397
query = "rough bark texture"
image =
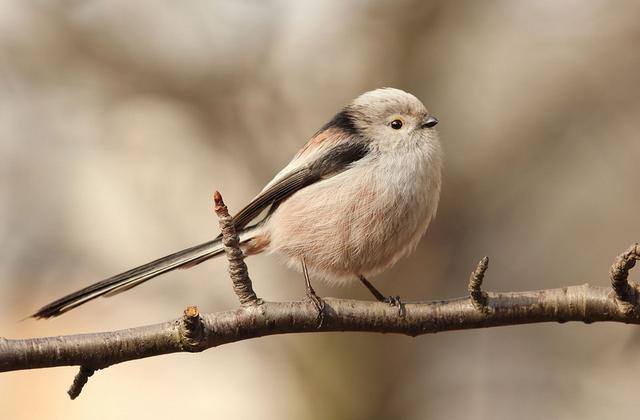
column 195, row 332
column 238, row 271
column 576, row 303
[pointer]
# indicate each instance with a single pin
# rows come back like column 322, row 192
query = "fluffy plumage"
column 355, row 199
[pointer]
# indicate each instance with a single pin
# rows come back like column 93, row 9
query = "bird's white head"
column 390, row 118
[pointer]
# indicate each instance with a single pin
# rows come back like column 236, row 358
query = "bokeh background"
column 118, row 119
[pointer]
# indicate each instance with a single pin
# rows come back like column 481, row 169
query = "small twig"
column 192, row 329
column 80, row 381
column 237, row 268
column 619, row 272
column 478, row 297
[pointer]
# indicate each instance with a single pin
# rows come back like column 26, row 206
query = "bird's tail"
column 136, row 276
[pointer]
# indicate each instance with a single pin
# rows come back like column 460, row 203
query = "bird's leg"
column 391, row 300
column 312, row 295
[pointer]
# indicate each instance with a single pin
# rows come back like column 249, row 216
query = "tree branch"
column 575, row 303
column 196, row 332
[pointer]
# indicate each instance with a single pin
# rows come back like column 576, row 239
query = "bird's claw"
column 396, row 301
column 319, row 305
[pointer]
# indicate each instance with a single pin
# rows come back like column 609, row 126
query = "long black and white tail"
column 132, row 278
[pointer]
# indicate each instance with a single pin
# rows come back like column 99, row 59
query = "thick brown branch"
column 576, row 303
column 194, row 332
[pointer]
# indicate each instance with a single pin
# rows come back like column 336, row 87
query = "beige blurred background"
column 118, row 119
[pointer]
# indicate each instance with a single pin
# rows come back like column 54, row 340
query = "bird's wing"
column 329, row 163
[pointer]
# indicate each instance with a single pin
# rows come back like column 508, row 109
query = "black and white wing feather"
column 334, row 160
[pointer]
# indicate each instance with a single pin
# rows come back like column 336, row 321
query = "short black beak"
column 429, row 122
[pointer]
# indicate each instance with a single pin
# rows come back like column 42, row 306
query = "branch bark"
column 195, row 332
column 238, row 271
column 575, row 303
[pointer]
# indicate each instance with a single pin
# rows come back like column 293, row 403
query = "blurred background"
column 119, row 119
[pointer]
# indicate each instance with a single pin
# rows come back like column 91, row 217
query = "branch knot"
column 619, row 273
column 191, row 330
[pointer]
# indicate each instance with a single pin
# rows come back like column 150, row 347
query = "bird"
column 356, row 198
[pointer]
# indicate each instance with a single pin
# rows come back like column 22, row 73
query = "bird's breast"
column 361, row 220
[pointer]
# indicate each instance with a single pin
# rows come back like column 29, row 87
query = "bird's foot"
column 391, row 300
column 313, row 296
column 396, row 301
column 319, row 304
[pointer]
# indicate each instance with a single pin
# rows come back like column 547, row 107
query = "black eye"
column 396, row 124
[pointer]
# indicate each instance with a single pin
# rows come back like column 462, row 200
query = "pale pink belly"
column 345, row 231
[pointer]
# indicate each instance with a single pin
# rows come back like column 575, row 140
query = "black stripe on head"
column 343, row 120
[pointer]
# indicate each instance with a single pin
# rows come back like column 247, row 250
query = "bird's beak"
column 429, row 122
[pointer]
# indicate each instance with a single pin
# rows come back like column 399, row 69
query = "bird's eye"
column 396, row 124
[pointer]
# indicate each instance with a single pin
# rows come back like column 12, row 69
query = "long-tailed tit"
column 356, row 198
